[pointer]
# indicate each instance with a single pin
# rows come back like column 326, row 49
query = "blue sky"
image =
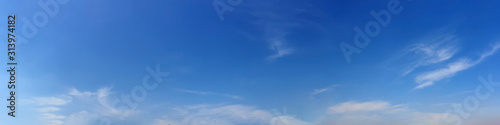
column 267, row 62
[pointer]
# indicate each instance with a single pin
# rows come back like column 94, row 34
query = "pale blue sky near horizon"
column 264, row 55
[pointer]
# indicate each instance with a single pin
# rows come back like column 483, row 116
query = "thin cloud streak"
column 435, row 53
column 211, row 93
column 350, row 107
column 280, row 49
column 429, row 78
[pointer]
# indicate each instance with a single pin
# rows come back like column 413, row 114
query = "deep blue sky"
column 264, row 55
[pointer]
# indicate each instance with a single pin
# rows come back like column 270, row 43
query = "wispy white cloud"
column 488, row 53
column 442, row 48
column 321, row 90
column 81, row 118
column 108, row 105
column 318, row 91
column 347, row 113
column 48, row 109
column 75, row 92
column 52, row 119
column 287, row 120
column 99, row 105
column 349, row 107
column 276, row 23
column 429, row 78
column 378, row 113
column 278, row 45
column 211, row 93
column 46, row 114
column 51, row 116
column 54, row 122
column 216, row 115
column 53, row 100
column 221, row 114
column 460, row 93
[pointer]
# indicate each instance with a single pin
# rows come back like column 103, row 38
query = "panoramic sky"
column 246, row 62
